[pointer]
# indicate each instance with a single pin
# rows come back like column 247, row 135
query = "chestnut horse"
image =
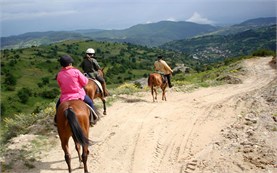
column 92, row 90
column 73, row 120
column 155, row 81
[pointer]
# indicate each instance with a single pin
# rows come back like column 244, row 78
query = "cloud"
column 197, row 18
column 171, row 19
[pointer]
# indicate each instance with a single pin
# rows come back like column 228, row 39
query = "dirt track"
column 183, row 134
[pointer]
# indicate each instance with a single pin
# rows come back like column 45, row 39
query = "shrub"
column 10, row 79
column 22, row 123
column 24, row 94
column 264, row 52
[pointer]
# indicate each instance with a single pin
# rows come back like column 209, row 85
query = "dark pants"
column 168, row 79
column 100, row 79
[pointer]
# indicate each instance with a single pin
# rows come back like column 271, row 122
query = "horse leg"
column 67, row 156
column 104, row 106
column 85, row 157
column 155, row 90
column 77, row 147
column 164, row 95
column 152, row 93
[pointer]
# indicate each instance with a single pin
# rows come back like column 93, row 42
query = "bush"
column 22, row 123
column 10, row 79
column 264, row 52
column 24, row 94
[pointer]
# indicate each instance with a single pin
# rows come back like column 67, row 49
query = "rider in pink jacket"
column 71, row 82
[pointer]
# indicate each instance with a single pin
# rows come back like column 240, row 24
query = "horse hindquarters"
column 79, row 137
column 76, row 129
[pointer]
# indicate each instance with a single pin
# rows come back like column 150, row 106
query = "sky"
column 21, row 16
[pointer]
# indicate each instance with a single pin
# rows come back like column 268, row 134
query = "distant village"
column 211, row 52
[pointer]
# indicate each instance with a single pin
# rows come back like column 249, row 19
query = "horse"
column 155, row 80
column 91, row 90
column 73, row 120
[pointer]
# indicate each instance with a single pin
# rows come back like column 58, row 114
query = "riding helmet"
column 66, row 60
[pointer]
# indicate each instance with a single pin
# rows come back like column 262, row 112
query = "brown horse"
column 92, row 88
column 73, row 120
column 155, row 81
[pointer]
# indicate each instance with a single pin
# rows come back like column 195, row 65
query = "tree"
column 10, row 79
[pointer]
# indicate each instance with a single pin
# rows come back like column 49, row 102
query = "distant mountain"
column 259, row 22
column 212, row 47
column 38, row 38
column 246, row 25
column 151, row 35
column 154, row 34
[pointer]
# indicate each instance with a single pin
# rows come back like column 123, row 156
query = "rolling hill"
column 151, row 35
column 38, row 38
column 246, row 25
column 154, row 34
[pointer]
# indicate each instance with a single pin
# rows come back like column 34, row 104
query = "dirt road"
column 187, row 133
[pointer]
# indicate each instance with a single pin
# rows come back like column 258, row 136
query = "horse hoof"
column 104, row 113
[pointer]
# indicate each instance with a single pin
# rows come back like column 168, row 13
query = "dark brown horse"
column 92, row 91
column 155, row 81
column 73, row 120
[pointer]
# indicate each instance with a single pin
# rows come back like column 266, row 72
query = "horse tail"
column 78, row 134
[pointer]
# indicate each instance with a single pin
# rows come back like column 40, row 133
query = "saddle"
column 99, row 86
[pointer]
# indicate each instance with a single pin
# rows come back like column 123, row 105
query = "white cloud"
column 171, row 19
column 197, row 18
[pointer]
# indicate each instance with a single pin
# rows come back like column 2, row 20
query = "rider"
column 71, row 82
column 162, row 67
column 90, row 66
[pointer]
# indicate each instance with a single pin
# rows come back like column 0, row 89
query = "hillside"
column 38, row 38
column 28, row 75
column 229, row 128
column 214, row 47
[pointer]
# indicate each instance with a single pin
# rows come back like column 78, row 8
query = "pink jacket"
column 71, row 82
